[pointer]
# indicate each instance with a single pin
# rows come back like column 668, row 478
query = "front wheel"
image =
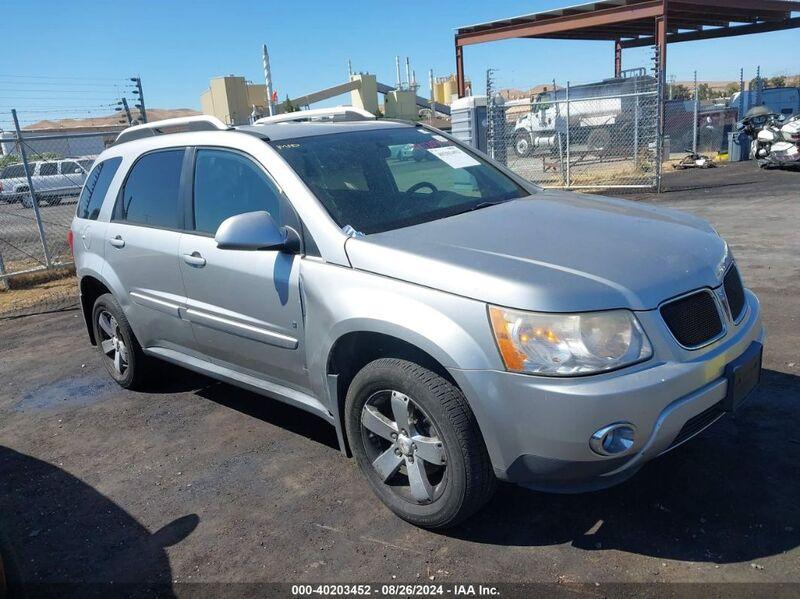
column 418, row 444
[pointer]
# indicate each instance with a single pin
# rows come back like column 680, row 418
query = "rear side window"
column 94, row 191
column 13, row 171
column 227, row 184
column 151, row 193
column 47, row 169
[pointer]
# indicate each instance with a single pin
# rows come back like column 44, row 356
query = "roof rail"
column 177, row 125
column 334, row 114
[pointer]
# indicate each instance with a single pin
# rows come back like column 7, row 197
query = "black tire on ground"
column 138, row 366
column 468, row 481
column 522, row 144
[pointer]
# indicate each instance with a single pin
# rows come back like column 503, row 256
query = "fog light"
column 613, row 439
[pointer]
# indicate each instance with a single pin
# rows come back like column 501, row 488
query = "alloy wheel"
column 112, row 342
column 404, row 447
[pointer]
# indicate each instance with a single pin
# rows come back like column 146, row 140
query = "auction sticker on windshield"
column 454, row 156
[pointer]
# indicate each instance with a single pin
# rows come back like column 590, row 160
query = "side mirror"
column 255, row 231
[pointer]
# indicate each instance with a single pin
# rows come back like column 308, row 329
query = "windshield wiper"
column 481, row 205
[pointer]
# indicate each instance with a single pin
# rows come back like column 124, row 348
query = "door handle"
column 194, row 259
column 117, row 242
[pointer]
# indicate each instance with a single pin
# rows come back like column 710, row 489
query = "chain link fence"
column 601, row 135
column 41, row 176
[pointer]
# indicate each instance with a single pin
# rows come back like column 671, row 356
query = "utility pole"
column 126, row 108
column 140, row 105
column 267, row 79
column 397, row 66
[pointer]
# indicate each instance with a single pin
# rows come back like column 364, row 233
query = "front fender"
column 451, row 329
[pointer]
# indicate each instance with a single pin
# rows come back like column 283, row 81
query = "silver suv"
column 455, row 324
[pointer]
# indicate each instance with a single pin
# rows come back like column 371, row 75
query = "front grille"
column 734, row 292
column 697, row 423
column 693, row 319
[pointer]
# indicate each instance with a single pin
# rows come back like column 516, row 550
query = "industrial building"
column 232, row 99
column 236, row 101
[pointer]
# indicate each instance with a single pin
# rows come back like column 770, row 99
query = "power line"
column 65, row 77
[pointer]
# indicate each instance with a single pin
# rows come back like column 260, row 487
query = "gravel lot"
column 199, row 481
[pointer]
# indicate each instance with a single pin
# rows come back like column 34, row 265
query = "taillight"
column 71, row 242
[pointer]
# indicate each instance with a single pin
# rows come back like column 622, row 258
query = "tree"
column 288, row 106
column 731, row 89
column 779, row 81
column 704, row 91
column 681, row 92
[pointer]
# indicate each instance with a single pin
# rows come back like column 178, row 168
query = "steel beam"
column 460, row 82
column 748, row 5
column 617, row 58
column 608, row 16
column 708, row 34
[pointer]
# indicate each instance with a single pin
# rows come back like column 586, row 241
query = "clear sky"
column 177, row 45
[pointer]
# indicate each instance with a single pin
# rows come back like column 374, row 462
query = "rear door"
column 142, row 242
column 245, row 306
column 47, row 177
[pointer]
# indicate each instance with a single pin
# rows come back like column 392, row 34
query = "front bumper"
column 537, row 429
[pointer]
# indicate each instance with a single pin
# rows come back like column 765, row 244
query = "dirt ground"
column 198, row 481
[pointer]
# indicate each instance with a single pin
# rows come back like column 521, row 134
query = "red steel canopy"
column 633, row 23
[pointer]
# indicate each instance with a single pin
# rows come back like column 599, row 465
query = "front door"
column 244, row 306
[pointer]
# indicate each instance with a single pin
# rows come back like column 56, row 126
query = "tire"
column 522, row 144
column 27, row 203
column 134, row 366
column 442, row 442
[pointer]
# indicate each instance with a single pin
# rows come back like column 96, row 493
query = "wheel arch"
column 354, row 350
column 91, row 287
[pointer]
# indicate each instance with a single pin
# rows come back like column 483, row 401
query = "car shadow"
column 271, row 411
column 729, row 495
column 57, row 530
column 175, row 379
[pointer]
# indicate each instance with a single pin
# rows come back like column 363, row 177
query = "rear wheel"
column 522, row 144
column 417, row 442
column 120, row 352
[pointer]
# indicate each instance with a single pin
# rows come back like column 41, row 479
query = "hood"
column 553, row 252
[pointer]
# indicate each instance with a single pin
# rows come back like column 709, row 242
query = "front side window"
column 384, row 179
column 227, row 184
column 48, row 168
column 151, row 194
column 71, row 168
column 94, row 191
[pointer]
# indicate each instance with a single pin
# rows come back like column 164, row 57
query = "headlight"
column 568, row 344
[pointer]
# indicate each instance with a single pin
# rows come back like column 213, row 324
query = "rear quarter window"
column 96, row 187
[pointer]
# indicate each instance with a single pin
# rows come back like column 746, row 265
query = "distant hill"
column 112, row 120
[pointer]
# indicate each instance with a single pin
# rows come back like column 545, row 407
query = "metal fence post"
column 31, row 191
column 740, row 116
column 566, row 97
column 696, row 115
column 3, row 278
column 636, row 123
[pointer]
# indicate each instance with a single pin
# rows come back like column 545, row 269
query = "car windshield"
column 384, row 179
